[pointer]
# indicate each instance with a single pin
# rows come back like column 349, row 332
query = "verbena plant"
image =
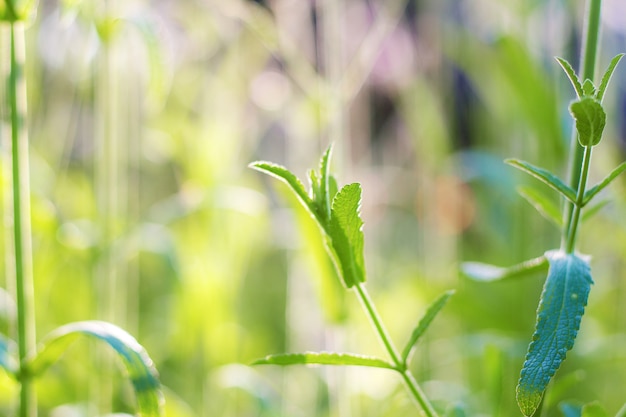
column 337, row 214
column 21, row 357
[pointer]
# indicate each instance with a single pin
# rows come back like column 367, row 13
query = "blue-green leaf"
column 542, row 204
column 7, row 355
column 607, row 77
column 478, row 271
column 560, row 310
column 590, row 120
column 571, row 74
column 425, row 322
column 140, row 368
column 324, row 358
column 570, row 410
column 544, row 176
column 590, row 193
column 346, row 234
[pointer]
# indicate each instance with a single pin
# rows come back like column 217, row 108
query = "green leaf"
column 571, row 74
column 346, row 234
column 140, row 368
column 622, row 411
column 542, row 204
column 478, row 271
column 324, row 358
column 544, row 176
column 425, row 322
column 286, row 176
column 593, row 409
column 607, row 77
column 591, row 211
column 7, row 359
column 590, row 120
column 590, row 193
column 559, row 313
column 588, row 88
column 326, row 197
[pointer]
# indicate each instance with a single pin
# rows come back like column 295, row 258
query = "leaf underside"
column 139, row 366
column 544, row 176
column 324, row 358
column 560, row 310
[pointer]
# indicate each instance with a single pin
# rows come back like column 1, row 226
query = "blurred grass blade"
column 283, row 174
column 7, row 361
column 141, row 370
column 425, row 322
column 571, row 74
column 590, row 193
column 607, row 77
column 544, row 176
column 324, row 358
column 542, row 204
column 593, row 409
column 622, row 411
column 346, row 234
column 591, row 211
column 561, row 308
column 478, row 271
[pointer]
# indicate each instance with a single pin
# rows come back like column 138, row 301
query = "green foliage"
column 607, row 77
column 590, row 193
column 324, row 358
column 542, row 204
column 560, row 310
column 590, row 120
column 544, row 176
column 486, row 273
column 593, row 409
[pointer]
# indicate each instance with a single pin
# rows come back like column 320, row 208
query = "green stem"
column 401, row 367
column 21, row 218
column 573, row 227
column 587, row 71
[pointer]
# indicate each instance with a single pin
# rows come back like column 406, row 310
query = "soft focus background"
column 145, row 114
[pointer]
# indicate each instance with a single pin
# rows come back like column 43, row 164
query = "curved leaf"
column 544, row 176
column 425, row 321
column 324, row 358
column 571, row 74
column 140, row 368
column 487, row 273
column 561, row 308
column 607, row 77
column 590, row 193
column 542, row 204
column 346, row 234
column 590, row 120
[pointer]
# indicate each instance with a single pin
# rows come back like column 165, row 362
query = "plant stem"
column 587, row 71
column 571, row 237
column 401, row 367
column 21, row 217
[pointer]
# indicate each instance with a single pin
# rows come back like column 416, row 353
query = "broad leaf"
column 346, row 234
column 571, row 74
column 560, row 310
column 283, row 174
column 140, row 368
column 324, row 358
column 607, row 77
column 590, row 120
column 7, row 359
column 593, row 409
column 487, row 273
column 542, row 204
column 544, row 176
column 590, row 193
column 425, row 322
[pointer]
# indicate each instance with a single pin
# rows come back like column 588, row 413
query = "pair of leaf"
column 337, row 213
column 587, row 110
column 139, row 366
column 334, row 358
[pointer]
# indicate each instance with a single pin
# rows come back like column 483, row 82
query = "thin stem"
column 401, row 367
column 21, row 218
column 588, row 65
column 571, row 238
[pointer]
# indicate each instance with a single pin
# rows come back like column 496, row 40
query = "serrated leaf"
column 425, row 322
column 607, row 77
column 542, row 204
column 326, row 198
column 590, row 193
column 560, row 310
column 140, row 368
column 593, row 409
column 286, row 176
column 7, row 359
column 544, row 176
column 346, row 234
column 590, row 120
column 588, row 88
column 324, row 358
column 478, row 271
column 571, row 74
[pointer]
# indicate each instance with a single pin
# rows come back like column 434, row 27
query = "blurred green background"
column 145, row 114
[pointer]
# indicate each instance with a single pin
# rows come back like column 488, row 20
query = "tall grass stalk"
column 18, row 208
